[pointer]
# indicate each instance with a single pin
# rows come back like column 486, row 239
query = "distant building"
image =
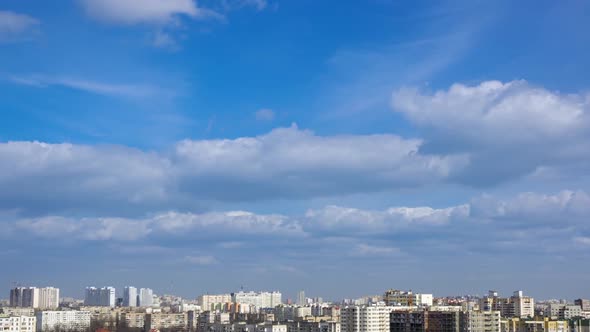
column 145, row 297
column 33, row 297
column 213, row 302
column 563, row 311
column 130, row 297
column 584, row 304
column 394, row 297
column 301, row 298
column 65, row 320
column 100, row 297
column 517, row 305
column 258, row 299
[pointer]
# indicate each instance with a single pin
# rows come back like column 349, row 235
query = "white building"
column 369, row 318
column 260, row 300
column 100, row 297
column 271, row 328
column 211, row 302
column 301, row 298
column 50, row 320
column 48, row 298
column 146, row 297
column 130, row 297
column 524, row 306
column 33, row 297
column 17, row 323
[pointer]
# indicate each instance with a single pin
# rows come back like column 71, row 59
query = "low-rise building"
column 17, row 323
column 166, row 321
column 66, row 320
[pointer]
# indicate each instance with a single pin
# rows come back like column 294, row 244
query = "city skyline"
column 335, row 147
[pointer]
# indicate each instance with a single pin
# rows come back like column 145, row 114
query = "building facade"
column 33, row 297
column 130, row 296
column 17, row 323
column 67, row 320
column 369, row 318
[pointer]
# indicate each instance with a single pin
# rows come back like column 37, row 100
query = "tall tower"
column 301, row 298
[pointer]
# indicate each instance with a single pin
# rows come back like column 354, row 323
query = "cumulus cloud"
column 165, row 16
column 351, row 220
column 507, row 129
column 14, row 25
column 563, row 216
column 285, row 163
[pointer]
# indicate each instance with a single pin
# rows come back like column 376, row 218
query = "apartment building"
column 34, row 297
column 67, row 320
column 480, row 321
column 366, row 318
column 17, row 323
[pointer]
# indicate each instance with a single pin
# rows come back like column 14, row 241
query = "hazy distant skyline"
column 339, row 147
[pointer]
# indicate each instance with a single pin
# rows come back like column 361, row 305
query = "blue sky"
column 341, row 147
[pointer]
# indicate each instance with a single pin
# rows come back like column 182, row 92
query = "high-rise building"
column 146, row 297
column 48, row 298
column 33, row 297
column 102, row 297
column 301, row 298
column 130, row 296
column 24, row 297
column 366, row 318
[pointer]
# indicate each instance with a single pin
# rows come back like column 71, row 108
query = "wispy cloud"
column 96, row 87
column 14, row 26
column 201, row 260
column 265, row 114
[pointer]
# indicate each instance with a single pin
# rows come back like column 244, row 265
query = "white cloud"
column 265, row 114
column 582, row 240
column 14, row 25
column 287, row 162
column 94, row 229
column 161, row 12
column 347, row 220
column 293, row 162
column 563, row 216
column 372, row 250
column 509, row 130
column 201, row 260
